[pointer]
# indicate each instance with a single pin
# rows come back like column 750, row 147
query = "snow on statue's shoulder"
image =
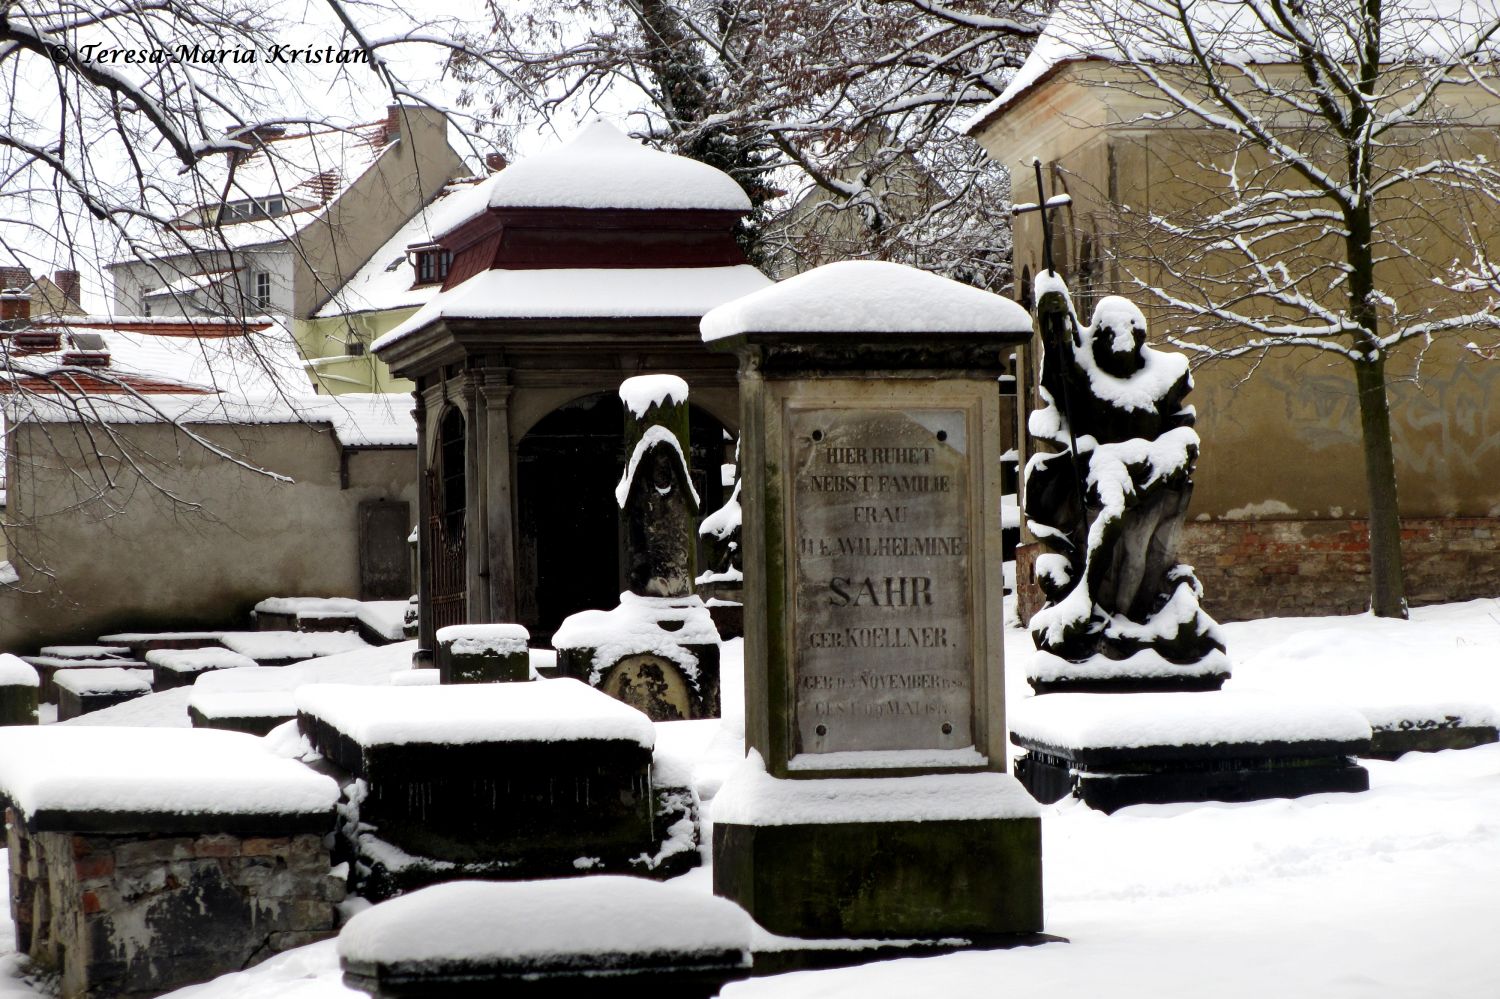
column 604, row 168
column 866, row 296
column 644, row 391
column 154, row 771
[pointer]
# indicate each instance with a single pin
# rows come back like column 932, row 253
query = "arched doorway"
column 568, row 525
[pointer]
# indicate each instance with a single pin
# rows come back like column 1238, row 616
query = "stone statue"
column 1109, row 503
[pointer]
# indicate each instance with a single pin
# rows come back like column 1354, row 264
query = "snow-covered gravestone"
column 658, row 650
column 483, row 653
column 1108, row 500
column 146, row 859
column 875, row 800
column 19, row 686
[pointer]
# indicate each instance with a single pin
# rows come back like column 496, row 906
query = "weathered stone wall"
column 1301, row 568
column 138, row 915
column 95, row 558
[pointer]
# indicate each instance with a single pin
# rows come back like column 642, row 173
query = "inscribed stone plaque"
column 880, row 561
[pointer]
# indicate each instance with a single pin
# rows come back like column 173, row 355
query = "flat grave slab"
column 286, row 613
column 254, row 712
column 533, row 776
column 48, row 667
column 143, row 860
column 80, row 691
column 1113, row 750
column 180, row 667
column 282, row 648
column 85, row 651
column 141, row 642
column 1427, row 728
column 596, row 936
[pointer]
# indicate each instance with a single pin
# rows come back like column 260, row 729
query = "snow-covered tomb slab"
column 536, row 779
column 19, row 687
column 146, row 859
column 162, row 780
column 255, row 712
column 180, row 667
column 280, row 648
column 81, row 691
column 1113, row 750
column 1430, row 727
column 581, row 936
column 483, row 653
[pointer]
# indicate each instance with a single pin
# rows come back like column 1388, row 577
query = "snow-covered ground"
column 1395, row 891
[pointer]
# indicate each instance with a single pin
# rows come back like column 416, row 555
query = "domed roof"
column 604, row 168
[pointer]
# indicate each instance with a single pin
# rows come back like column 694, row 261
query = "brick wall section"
column 138, row 915
column 1301, row 568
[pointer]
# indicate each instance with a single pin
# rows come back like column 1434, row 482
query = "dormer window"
column 252, row 208
column 432, row 265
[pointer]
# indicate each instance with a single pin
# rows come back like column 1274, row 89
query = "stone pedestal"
column 1155, row 748
column 627, row 937
column 19, row 685
column 483, row 653
column 202, row 855
column 873, row 644
column 80, row 691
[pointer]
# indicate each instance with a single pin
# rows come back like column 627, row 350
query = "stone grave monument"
column 19, row 686
column 1128, row 666
column 1108, row 500
column 547, row 778
column 874, row 801
column 483, row 653
column 658, row 650
column 143, row 860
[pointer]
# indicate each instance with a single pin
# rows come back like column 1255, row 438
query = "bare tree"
column 1339, row 187
column 840, row 119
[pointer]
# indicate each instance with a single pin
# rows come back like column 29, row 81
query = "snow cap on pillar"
column 866, row 296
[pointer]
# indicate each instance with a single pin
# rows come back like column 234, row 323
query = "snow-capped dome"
column 604, row 168
column 866, row 296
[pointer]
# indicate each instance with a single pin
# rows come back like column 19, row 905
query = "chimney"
column 393, row 116
column 70, row 284
column 15, row 305
column 14, row 277
column 496, row 162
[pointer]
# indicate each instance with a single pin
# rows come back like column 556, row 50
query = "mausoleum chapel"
column 572, row 270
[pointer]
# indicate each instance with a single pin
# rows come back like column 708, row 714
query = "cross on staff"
column 1044, row 205
column 1051, row 331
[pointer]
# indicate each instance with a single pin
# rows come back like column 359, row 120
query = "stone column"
column 499, row 467
column 426, row 641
